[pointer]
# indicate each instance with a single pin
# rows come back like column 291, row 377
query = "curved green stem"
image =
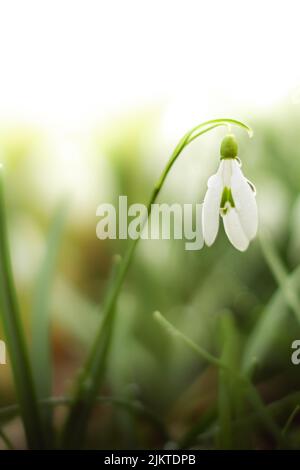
column 92, row 374
column 193, row 134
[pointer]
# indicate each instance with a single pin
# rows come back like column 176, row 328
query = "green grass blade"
column 227, row 384
column 281, row 275
column 6, row 440
column 92, row 375
column 252, row 394
column 172, row 331
column 290, row 419
column 135, row 407
column 15, row 339
column 268, row 326
column 41, row 350
column 264, row 414
column 188, row 439
column 276, row 408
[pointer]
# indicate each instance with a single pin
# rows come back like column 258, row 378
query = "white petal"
column 215, row 180
column 245, row 202
column 234, row 230
column 211, row 208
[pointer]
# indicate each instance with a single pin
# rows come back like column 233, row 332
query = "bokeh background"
column 94, row 95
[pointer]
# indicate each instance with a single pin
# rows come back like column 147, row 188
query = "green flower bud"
column 229, row 147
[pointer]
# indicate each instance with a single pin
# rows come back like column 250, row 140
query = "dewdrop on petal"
column 231, row 196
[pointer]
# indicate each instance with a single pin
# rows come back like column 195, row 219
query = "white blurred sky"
column 72, row 63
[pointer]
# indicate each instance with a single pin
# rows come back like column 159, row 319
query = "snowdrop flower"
column 231, row 196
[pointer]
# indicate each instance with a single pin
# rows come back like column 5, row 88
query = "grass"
column 15, row 338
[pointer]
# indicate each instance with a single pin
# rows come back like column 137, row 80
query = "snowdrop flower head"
column 230, row 196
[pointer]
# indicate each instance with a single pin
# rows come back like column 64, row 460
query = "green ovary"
column 226, row 201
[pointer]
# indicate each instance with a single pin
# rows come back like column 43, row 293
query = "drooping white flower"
column 231, row 196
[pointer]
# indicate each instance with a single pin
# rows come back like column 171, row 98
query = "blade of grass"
column 201, row 352
column 134, row 406
column 227, row 385
column 16, row 340
column 281, row 275
column 40, row 346
column 290, row 419
column 6, row 440
column 206, row 421
column 252, row 393
column 194, row 431
column 268, row 325
column 276, row 409
column 265, row 416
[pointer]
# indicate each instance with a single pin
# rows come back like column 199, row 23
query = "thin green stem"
column 15, row 339
column 89, row 381
column 201, row 352
column 195, row 135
